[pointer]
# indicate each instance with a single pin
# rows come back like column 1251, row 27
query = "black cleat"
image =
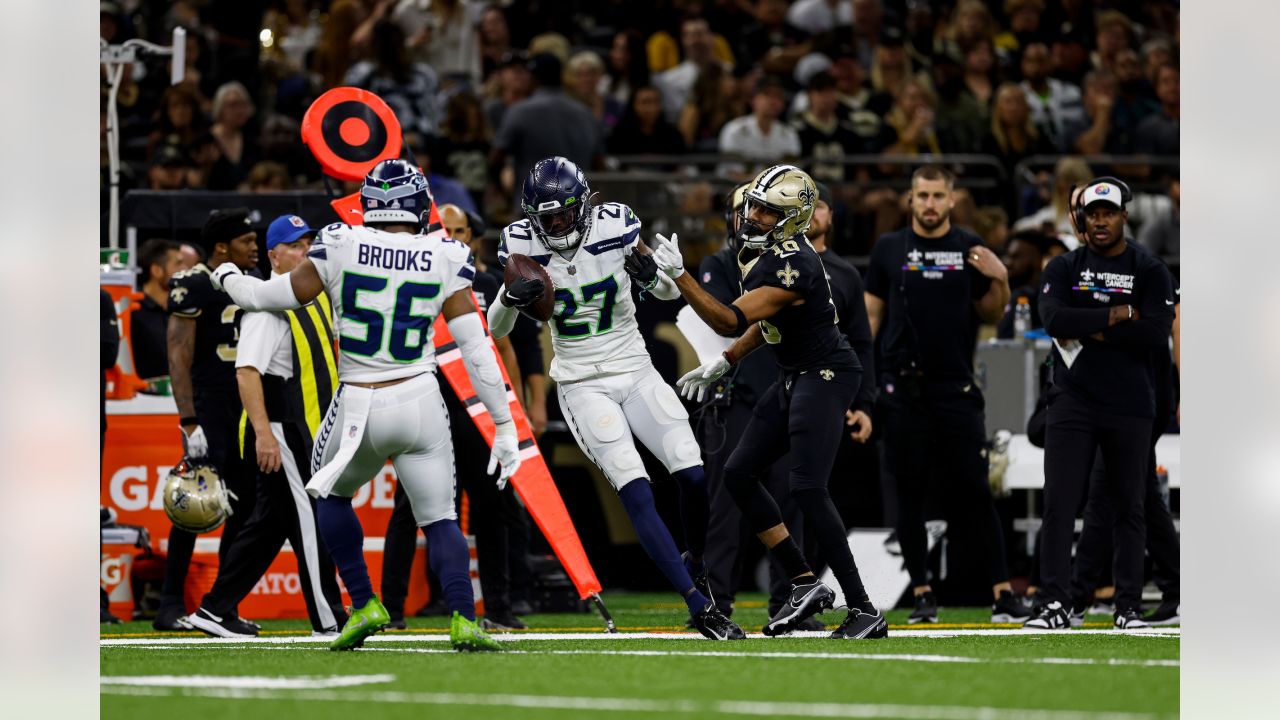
column 1167, row 614
column 698, row 572
column 171, row 618
column 859, row 625
column 396, row 624
column 1130, row 619
column 715, row 626
column 1010, row 609
column 804, row 602
column 926, row 609
column 501, row 622
column 1050, row 616
column 224, row 626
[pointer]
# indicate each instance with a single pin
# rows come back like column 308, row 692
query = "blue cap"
column 286, row 229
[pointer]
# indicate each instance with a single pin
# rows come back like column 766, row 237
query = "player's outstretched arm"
column 283, row 292
column 642, row 268
column 727, row 320
column 486, row 377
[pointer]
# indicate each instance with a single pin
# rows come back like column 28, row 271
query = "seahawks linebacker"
column 387, row 281
column 606, row 382
column 786, row 304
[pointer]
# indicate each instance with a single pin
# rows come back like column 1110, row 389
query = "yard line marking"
column 254, row 682
column 883, row 657
column 718, row 707
column 589, row 636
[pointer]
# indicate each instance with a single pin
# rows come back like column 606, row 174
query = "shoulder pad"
column 517, row 238
column 616, row 227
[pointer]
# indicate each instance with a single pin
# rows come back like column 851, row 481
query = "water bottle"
column 1022, row 317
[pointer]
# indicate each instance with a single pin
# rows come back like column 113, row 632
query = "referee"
column 287, row 375
column 929, row 287
column 1109, row 308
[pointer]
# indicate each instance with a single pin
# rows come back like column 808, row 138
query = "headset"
column 1077, row 209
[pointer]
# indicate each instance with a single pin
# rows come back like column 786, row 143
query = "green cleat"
column 364, row 622
column 467, row 636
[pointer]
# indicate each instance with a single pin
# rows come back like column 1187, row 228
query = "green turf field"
column 951, row 674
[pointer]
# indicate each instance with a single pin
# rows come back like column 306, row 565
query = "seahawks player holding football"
column 606, row 381
column 388, row 280
column 787, row 304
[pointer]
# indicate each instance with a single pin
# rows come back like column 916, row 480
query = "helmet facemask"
column 561, row 228
column 760, row 235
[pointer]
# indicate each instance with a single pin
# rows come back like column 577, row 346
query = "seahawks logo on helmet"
column 778, row 205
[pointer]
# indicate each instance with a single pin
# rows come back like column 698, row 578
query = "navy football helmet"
column 557, row 201
column 395, row 191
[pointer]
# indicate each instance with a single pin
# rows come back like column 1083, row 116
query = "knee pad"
column 680, row 449
column 623, row 464
column 601, row 421
column 664, row 404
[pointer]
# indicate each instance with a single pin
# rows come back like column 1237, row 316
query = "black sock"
column 695, row 508
column 822, row 519
column 788, row 555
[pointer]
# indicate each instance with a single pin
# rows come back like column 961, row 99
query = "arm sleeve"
column 501, row 318
column 1158, row 299
column 260, row 334
column 482, row 365
column 252, row 293
column 1059, row 319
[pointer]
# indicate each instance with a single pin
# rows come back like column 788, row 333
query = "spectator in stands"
column 546, row 124
column 1013, row 136
column 1070, row 55
column 442, row 35
column 981, row 75
column 1096, row 133
column 912, row 119
column 699, row 52
column 1024, row 259
column 583, row 74
column 177, row 120
column 1158, row 134
column 461, row 150
column 337, row 47
column 209, row 169
column 1055, row 217
column 1155, row 55
column 232, row 111
column 643, row 129
column 168, row 169
column 962, row 120
column 495, row 40
column 266, row 176
column 628, row 69
column 158, row 260
column 1135, row 100
column 891, row 68
column 1054, row 104
column 712, row 103
column 971, row 21
column 295, row 32
column 991, row 223
column 761, row 136
column 1114, row 33
column 770, row 39
column 189, row 256
column 279, row 143
column 1162, row 234
column 815, row 17
column 665, row 53
column 1024, row 18
column 823, row 134
column 512, row 84
column 409, row 88
column 552, row 43
column 870, row 22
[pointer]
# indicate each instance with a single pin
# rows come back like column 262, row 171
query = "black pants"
column 804, row 414
column 1095, row 548
column 935, row 431
column 218, row 412
column 1075, row 432
column 493, row 513
column 719, row 431
column 283, row 511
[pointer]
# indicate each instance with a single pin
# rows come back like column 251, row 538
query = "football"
column 522, row 266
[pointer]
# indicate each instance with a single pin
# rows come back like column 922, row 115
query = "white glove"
column 506, row 451
column 667, row 256
column 697, row 381
column 196, row 445
column 221, row 272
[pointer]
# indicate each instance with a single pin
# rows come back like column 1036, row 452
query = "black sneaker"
column 926, row 609
column 396, row 624
column 859, row 625
column 715, row 626
column 698, row 572
column 1169, row 613
column 804, row 602
column 1051, row 616
column 1010, row 609
column 228, row 626
column 501, row 622
column 171, row 618
column 1130, row 620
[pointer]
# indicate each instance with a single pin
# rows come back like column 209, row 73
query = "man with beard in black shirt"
column 204, row 329
column 158, row 262
column 929, row 287
column 1109, row 306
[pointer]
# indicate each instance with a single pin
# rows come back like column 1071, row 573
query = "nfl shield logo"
column 296, row 221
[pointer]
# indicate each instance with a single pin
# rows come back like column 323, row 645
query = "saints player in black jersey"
column 787, row 304
column 204, row 327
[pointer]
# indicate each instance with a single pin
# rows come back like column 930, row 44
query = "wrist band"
column 189, row 420
column 729, row 356
column 741, row 327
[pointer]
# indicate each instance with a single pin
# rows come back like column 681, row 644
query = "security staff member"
column 287, row 375
column 494, row 513
column 722, row 420
column 204, row 328
column 929, row 287
column 1109, row 307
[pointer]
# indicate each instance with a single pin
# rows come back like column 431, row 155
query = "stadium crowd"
column 850, row 90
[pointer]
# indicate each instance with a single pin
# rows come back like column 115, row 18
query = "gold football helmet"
column 784, row 191
column 195, row 497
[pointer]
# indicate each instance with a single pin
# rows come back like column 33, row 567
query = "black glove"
column 641, row 267
column 523, row 292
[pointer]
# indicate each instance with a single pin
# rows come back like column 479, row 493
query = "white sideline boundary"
column 256, row 682
column 622, row 704
column 1174, row 632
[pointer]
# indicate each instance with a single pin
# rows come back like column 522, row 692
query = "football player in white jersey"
column 606, row 382
column 387, row 282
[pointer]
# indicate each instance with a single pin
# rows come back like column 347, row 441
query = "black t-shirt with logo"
column 192, row 295
column 1118, row 373
column 930, row 326
column 804, row 336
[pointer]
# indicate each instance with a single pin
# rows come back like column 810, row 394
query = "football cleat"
column 1010, row 609
column 171, row 618
column 804, row 602
column 1167, row 614
column 698, row 572
column 1130, row 620
column 859, row 625
column 926, row 609
column 466, row 636
column 223, row 626
column 363, row 622
column 1051, row 616
column 715, row 626
column 1077, row 615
